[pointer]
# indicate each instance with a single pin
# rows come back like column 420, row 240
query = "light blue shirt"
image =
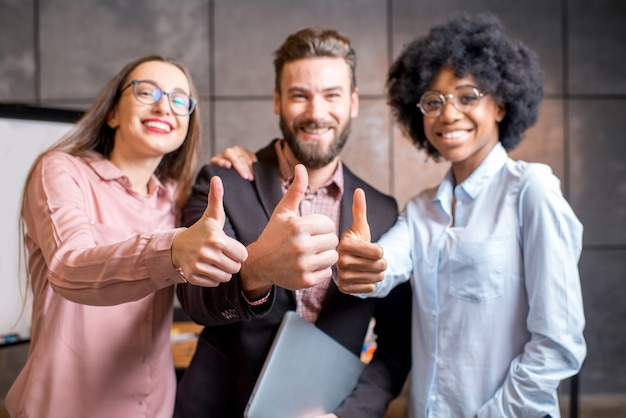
column 497, row 307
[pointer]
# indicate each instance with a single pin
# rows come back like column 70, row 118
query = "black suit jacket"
column 235, row 341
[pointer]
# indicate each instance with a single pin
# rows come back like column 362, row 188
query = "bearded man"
column 289, row 217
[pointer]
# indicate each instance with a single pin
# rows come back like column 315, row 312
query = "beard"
column 312, row 153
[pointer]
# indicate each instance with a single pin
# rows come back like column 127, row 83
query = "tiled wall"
column 59, row 53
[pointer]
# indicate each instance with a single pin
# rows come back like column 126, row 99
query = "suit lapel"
column 267, row 179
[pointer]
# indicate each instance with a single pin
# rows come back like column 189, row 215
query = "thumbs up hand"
column 205, row 253
column 361, row 264
column 293, row 251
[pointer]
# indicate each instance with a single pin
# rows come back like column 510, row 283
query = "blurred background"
column 59, row 53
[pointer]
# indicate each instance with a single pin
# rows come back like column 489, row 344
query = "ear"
column 276, row 102
column 354, row 98
column 112, row 119
column 501, row 113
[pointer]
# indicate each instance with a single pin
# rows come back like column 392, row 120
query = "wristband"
column 257, row 302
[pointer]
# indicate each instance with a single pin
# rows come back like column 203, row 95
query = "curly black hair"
column 475, row 46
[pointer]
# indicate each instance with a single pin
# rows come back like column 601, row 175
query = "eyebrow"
column 175, row 89
column 306, row 89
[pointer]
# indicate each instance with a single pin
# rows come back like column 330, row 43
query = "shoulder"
column 536, row 181
column 54, row 162
column 60, row 157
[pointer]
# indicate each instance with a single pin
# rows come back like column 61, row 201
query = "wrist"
column 257, row 300
column 253, row 287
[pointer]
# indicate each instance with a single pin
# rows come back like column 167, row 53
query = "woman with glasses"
column 99, row 217
column 493, row 250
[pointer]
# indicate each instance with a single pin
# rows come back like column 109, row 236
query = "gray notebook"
column 306, row 373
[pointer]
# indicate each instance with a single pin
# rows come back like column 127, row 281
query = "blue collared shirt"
column 497, row 310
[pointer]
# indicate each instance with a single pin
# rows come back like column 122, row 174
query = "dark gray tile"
column 79, row 55
column 544, row 142
column 597, row 169
column 367, row 152
column 205, row 153
column 604, row 292
column 597, row 46
column 537, row 23
column 17, row 51
column 249, row 123
column 413, row 170
column 244, row 47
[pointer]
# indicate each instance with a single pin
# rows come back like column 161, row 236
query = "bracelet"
column 260, row 301
column 182, row 274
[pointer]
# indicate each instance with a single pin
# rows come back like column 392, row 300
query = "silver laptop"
column 306, row 373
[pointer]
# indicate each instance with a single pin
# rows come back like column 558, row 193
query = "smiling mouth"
column 453, row 134
column 158, row 125
column 315, row 131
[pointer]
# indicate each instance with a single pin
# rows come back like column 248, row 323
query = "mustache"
column 314, row 124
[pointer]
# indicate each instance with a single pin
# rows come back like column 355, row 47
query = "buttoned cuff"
column 159, row 260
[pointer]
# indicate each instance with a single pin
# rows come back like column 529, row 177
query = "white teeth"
column 158, row 125
column 317, row 131
column 453, row 135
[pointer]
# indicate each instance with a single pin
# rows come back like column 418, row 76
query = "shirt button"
column 433, row 312
column 433, row 398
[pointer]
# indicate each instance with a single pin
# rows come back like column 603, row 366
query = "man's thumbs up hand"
column 293, row 252
column 361, row 264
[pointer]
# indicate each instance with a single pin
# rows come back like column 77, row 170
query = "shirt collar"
column 108, row 171
column 479, row 178
column 334, row 185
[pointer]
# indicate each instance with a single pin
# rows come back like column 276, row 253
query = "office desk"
column 184, row 338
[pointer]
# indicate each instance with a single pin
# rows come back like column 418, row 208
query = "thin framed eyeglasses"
column 147, row 92
column 464, row 99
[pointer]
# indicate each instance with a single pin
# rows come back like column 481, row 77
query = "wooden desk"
column 183, row 349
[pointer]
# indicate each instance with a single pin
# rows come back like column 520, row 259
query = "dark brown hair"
column 314, row 42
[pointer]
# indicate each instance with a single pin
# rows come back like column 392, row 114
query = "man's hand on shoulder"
column 237, row 157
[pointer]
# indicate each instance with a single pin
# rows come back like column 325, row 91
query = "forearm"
column 113, row 274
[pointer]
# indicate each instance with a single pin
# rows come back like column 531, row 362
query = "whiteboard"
column 24, row 133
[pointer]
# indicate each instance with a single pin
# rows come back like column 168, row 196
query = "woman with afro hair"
column 493, row 250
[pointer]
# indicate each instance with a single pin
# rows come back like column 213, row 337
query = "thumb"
column 215, row 205
column 291, row 200
column 360, row 227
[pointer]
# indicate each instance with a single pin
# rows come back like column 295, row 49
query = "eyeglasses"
column 464, row 99
column 147, row 92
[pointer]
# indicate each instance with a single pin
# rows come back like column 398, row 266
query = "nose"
column 316, row 108
column 163, row 104
column 449, row 110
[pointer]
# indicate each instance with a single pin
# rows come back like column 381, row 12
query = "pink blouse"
column 102, row 280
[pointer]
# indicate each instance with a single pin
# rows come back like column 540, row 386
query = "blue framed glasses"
column 147, row 92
